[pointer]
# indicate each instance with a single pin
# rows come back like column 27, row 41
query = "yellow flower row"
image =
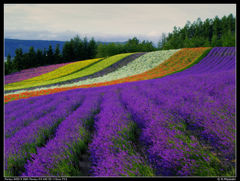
column 68, row 72
column 55, row 74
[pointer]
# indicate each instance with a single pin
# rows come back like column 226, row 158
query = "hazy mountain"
column 10, row 45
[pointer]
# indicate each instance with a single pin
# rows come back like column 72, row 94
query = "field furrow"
column 173, row 147
column 181, row 124
column 112, row 149
column 25, row 142
column 58, row 156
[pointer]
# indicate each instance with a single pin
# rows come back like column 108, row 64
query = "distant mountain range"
column 10, row 45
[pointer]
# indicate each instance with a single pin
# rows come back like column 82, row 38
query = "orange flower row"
column 178, row 61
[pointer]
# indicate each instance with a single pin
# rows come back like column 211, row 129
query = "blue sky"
column 104, row 22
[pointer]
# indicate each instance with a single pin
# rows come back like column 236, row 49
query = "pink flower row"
column 29, row 73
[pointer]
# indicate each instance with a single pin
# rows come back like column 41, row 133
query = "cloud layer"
column 103, row 21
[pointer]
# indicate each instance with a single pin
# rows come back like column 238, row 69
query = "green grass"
column 69, row 166
column 125, row 141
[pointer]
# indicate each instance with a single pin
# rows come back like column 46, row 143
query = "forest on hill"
column 216, row 32
column 10, row 45
column 212, row 32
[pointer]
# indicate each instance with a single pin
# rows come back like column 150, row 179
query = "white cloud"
column 104, row 20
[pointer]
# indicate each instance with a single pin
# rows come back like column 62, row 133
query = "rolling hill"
column 161, row 113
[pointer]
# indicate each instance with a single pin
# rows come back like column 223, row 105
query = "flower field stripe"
column 182, row 124
column 25, row 142
column 123, row 62
column 25, row 95
column 65, row 70
column 205, row 63
column 29, row 73
column 112, row 149
column 84, row 72
column 177, row 62
column 57, row 156
column 139, row 65
column 55, row 74
column 187, row 123
column 213, row 62
column 160, row 58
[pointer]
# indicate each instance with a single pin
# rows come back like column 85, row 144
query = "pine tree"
column 44, row 62
column 211, row 32
column 39, row 58
column 50, row 56
column 57, row 55
column 31, row 58
column 8, row 65
column 85, row 53
column 68, row 52
column 17, row 61
column 78, row 48
column 228, row 39
column 92, row 48
column 132, row 45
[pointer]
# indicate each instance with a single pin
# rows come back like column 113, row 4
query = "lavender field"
column 183, row 124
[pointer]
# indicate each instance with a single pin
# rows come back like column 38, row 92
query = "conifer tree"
column 57, row 55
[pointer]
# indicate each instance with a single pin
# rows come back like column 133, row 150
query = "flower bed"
column 29, row 73
column 84, row 72
column 52, row 75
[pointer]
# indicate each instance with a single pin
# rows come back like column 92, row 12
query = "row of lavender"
column 218, row 59
column 186, row 126
column 31, row 123
column 28, row 135
column 70, row 139
column 195, row 133
column 186, row 120
column 190, row 129
column 113, row 148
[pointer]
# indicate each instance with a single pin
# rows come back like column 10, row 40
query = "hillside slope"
column 183, row 124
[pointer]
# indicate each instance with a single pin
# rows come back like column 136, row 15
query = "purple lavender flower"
column 70, row 132
column 112, row 151
column 187, row 125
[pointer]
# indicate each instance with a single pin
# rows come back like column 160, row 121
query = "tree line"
column 132, row 45
column 74, row 50
column 212, row 32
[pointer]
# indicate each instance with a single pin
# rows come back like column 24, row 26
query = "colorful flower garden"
column 161, row 113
